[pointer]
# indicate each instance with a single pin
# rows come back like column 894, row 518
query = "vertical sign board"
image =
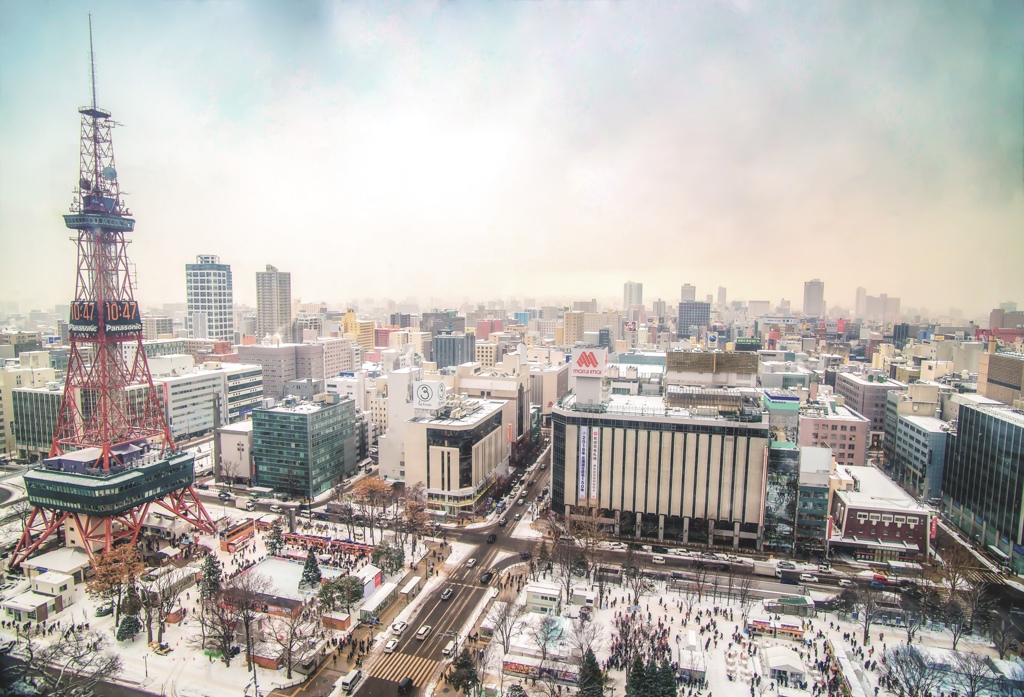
column 581, row 469
column 595, row 461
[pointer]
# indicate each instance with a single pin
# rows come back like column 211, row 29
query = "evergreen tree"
column 664, row 681
column 275, row 539
column 311, row 571
column 462, row 675
column 210, row 576
column 592, row 678
column 636, row 681
column 129, row 627
column 544, row 555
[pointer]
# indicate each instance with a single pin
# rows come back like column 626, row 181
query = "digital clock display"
column 119, row 318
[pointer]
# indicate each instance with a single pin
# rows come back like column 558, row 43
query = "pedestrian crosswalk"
column 395, row 666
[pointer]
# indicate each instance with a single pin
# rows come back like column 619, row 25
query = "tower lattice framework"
column 110, row 408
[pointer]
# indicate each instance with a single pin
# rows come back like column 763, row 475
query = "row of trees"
column 907, row 673
column 374, row 502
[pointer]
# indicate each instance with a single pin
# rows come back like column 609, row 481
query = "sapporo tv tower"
column 112, row 456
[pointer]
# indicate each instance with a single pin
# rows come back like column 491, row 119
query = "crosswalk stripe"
column 396, row 666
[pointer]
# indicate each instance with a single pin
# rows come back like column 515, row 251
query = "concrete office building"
column 814, row 298
column 1001, row 375
column 155, row 327
column 688, row 293
column 919, row 453
column 304, row 448
column 573, row 323
column 983, row 479
column 236, row 464
column 813, row 499
column 191, row 395
column 210, row 299
column 711, row 369
column 273, row 302
column 867, row 396
column 320, row 359
column 831, row 425
column 35, row 419
column 655, row 468
column 693, row 316
column 32, row 369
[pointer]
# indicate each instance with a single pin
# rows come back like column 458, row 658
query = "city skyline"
column 549, row 144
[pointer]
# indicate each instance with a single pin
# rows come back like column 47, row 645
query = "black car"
column 486, row 577
column 659, row 550
column 223, row 496
column 404, row 686
column 524, row 555
column 492, row 538
column 448, row 593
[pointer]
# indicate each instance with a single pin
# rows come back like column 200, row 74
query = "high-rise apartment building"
column 688, row 293
column 721, row 296
column 573, row 323
column 273, row 302
column 453, row 349
column 866, row 395
column 693, row 316
column 861, row 308
column 632, row 295
column 210, row 299
column 814, row 298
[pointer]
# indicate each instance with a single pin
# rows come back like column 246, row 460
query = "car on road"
column 448, row 593
column 486, row 577
column 808, row 578
column 520, row 502
column 203, row 486
column 525, row 556
column 845, row 582
column 423, row 631
column 659, row 550
column 471, row 563
column 788, row 565
column 503, row 521
column 876, row 586
column 530, row 483
column 274, row 508
column 391, row 646
column 517, row 516
column 405, row 685
column 492, row 538
column 657, row 559
column 398, row 627
column 618, row 545
column 223, row 496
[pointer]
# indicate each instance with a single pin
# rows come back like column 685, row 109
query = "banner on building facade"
column 581, row 469
column 595, row 461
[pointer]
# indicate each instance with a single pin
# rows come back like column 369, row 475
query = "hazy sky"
column 488, row 149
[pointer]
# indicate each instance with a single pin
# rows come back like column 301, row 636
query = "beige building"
column 273, row 302
column 573, row 323
column 1000, row 376
column 31, row 370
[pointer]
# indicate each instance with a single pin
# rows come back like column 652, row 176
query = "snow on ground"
column 460, row 553
column 524, row 530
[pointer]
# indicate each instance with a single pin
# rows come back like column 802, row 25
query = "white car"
column 398, row 627
column 657, row 559
column 391, row 646
column 471, row 563
column 617, row 545
column 808, row 578
column 845, row 582
column 276, row 509
column 423, row 632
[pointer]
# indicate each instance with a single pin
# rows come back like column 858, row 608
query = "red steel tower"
column 112, row 456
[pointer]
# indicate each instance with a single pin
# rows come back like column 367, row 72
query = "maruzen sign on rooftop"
column 588, row 362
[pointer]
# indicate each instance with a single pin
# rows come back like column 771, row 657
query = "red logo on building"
column 587, row 359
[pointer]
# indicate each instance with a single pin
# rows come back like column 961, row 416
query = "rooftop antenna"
column 92, row 63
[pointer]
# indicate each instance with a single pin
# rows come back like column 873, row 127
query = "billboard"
column 122, row 317
column 588, row 362
column 429, row 395
column 581, row 468
column 595, row 461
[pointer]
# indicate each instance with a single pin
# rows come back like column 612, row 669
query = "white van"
column 349, row 682
column 658, row 559
column 449, row 648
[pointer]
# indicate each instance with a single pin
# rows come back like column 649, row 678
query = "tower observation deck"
column 112, row 456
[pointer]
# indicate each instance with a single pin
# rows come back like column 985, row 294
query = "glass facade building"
column 35, row 420
column 782, row 488
column 303, row 449
column 983, row 480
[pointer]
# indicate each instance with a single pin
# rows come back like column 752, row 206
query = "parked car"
column 525, row 556
column 486, row 577
column 391, row 646
column 659, row 550
column 447, row 594
column 398, row 627
column 423, row 632
column 492, row 538
column 104, row 610
column 808, row 578
column 787, row 565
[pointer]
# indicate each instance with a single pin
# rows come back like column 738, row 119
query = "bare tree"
column 688, row 596
column 583, row 636
column 971, row 674
column 585, row 526
column 545, row 633
column 245, row 595
column 912, row 622
column 908, row 674
column 507, row 620
column 74, row 663
column 1003, row 632
column 701, row 578
column 294, row 635
column 633, row 636
column 958, row 562
column 373, row 495
column 565, row 556
column 217, row 621
column 957, row 619
column 745, row 593
column 978, row 599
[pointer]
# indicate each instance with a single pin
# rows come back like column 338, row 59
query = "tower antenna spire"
column 92, row 63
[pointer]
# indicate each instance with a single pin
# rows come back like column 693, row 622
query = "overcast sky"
column 488, row 149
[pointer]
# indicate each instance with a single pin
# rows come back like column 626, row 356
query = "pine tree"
column 210, row 577
column 636, row 681
column 129, row 627
column 275, row 539
column 591, row 677
column 463, row 676
column 311, row 571
column 664, row 682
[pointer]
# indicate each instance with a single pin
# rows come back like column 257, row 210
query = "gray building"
column 693, row 315
column 814, row 298
column 919, row 454
column 454, row 349
column 866, row 395
column 273, row 302
column 35, row 419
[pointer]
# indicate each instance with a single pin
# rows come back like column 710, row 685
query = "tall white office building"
column 688, row 293
column 814, row 298
column 632, row 295
column 210, row 299
column 273, row 302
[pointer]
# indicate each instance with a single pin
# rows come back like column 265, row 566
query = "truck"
column 765, row 568
column 245, row 504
